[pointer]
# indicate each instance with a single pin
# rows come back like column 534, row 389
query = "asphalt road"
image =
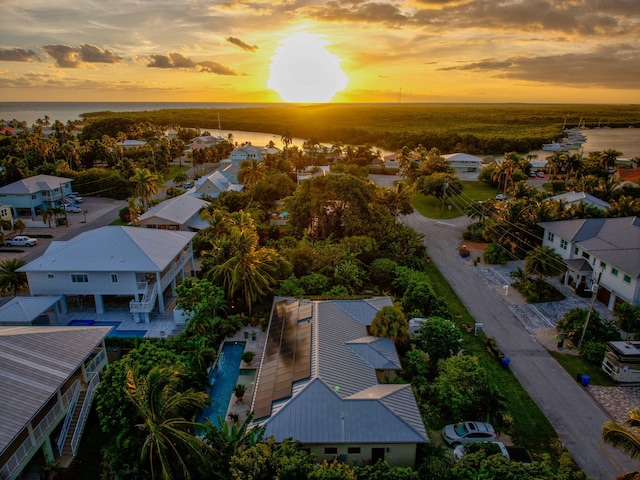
column 576, row 417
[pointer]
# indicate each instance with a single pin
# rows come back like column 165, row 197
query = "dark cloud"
column 173, row 60
column 366, row 12
column 214, row 67
column 239, row 43
column 71, row 57
column 611, row 67
column 17, row 55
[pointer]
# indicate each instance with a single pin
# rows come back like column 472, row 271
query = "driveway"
column 575, row 415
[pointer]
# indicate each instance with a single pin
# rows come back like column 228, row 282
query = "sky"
column 408, row 51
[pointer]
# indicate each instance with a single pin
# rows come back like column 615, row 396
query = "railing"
column 29, row 445
column 84, row 413
column 147, row 302
column 51, row 198
column 96, row 364
column 67, row 420
column 142, row 287
column 177, row 266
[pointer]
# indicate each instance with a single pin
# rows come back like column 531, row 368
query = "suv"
column 467, row 432
column 20, row 241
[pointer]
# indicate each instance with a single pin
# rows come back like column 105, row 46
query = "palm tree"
column 10, row 279
column 543, row 262
column 286, row 139
column 180, row 178
column 48, row 215
column 390, row 322
column 170, row 442
column 249, row 269
column 134, row 211
column 251, row 172
column 625, row 436
column 146, row 184
column 19, row 227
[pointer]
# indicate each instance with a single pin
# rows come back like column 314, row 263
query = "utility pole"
column 594, row 290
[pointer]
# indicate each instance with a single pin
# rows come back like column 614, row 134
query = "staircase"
column 148, row 300
column 67, row 454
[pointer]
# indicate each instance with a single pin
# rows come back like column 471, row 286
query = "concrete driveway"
column 575, row 415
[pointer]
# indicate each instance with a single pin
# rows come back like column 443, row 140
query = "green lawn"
column 531, row 429
column 575, row 364
column 431, row 207
column 173, row 171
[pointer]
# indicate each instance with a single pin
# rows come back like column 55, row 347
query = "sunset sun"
column 303, row 71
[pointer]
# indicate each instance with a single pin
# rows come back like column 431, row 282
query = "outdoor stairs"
column 67, row 455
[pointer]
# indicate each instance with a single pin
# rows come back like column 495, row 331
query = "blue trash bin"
column 585, row 380
column 505, row 362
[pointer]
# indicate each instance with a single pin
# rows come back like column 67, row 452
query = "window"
column 330, row 450
column 550, row 236
column 50, row 276
column 614, row 272
column 563, row 244
column 586, row 255
column 114, row 278
column 79, row 278
column 576, row 250
column 353, row 450
column 627, row 279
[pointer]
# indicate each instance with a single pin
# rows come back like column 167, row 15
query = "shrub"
column 248, row 356
column 496, row 254
column 593, row 351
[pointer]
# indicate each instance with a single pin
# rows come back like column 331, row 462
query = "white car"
column 501, row 196
column 72, row 208
column 468, row 432
column 76, row 198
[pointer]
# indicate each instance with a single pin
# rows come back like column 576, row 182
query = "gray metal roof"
column 178, row 209
column 616, row 241
column 24, row 310
column 343, row 395
column 576, row 197
column 379, row 353
column 34, row 184
column 113, row 249
column 34, row 363
column 319, row 415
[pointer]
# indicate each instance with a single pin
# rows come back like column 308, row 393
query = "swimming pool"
column 221, row 382
column 114, row 332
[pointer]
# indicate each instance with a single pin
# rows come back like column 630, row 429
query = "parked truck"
column 20, row 241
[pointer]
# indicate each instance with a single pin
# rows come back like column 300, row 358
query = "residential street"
column 576, row 417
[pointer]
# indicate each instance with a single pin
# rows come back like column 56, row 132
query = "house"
column 213, row 185
column 177, row 213
column 22, row 311
column 325, row 382
column 31, row 196
column 465, row 165
column 6, row 216
column 113, row 262
column 247, row 152
column 571, row 198
column 48, row 377
column 605, row 251
column 628, row 176
column 205, row 141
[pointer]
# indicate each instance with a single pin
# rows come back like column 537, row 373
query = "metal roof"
column 180, row 209
column 24, row 310
column 34, row 184
column 343, row 395
column 34, row 363
column 576, row 197
column 113, row 249
column 319, row 415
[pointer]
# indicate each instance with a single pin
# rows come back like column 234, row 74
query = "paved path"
column 576, row 416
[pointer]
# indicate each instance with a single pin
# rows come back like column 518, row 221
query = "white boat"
column 554, row 147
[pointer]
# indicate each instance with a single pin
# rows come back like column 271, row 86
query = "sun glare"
column 303, row 71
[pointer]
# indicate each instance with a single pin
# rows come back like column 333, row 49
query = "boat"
column 554, row 147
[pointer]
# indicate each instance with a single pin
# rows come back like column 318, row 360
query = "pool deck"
column 242, row 409
column 160, row 326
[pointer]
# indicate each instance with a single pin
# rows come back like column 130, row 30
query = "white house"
column 465, row 165
column 325, row 382
column 110, row 262
column 48, row 376
column 177, row 213
column 213, row 185
column 247, row 152
column 34, row 194
column 605, row 251
column 571, row 198
column 205, row 141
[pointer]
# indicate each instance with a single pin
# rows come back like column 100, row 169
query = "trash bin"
column 585, row 380
column 579, row 377
column 505, row 362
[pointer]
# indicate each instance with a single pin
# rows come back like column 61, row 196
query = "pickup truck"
column 20, row 241
column 515, row 454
